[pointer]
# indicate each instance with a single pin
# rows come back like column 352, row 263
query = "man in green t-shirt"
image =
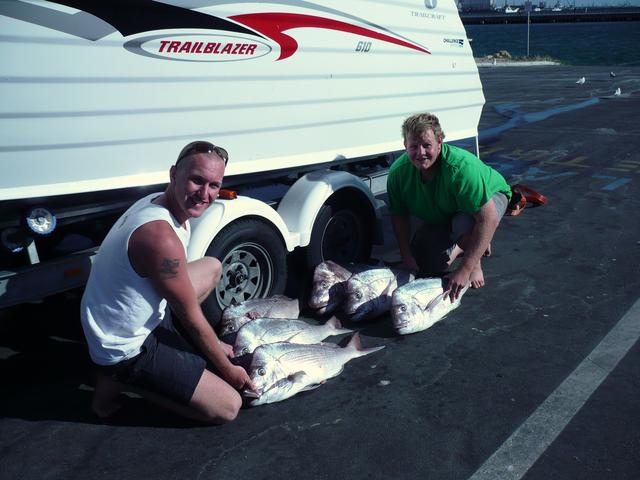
column 459, row 198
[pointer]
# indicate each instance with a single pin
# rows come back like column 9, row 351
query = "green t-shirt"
column 462, row 183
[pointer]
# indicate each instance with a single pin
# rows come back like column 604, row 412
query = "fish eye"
column 403, row 308
column 245, row 350
column 358, row 295
column 262, row 372
column 324, row 284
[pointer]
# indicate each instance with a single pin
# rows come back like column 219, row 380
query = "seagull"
column 617, row 92
column 611, row 74
column 581, row 80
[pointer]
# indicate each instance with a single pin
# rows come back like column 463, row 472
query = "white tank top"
column 119, row 307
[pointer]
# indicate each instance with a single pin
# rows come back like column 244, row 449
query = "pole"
column 528, row 26
column 527, row 7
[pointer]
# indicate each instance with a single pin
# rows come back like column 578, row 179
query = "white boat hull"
column 90, row 103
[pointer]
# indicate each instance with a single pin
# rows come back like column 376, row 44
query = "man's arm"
column 402, row 230
column 474, row 246
column 157, row 253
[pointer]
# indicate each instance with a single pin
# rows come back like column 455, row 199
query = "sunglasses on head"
column 201, row 146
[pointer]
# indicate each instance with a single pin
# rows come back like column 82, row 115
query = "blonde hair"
column 417, row 124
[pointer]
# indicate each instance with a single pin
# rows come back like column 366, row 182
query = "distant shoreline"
column 504, row 59
column 484, row 62
column 578, row 14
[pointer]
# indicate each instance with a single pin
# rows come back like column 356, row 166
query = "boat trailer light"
column 13, row 239
column 40, row 221
column 226, row 194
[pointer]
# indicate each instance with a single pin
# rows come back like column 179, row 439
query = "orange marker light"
column 225, row 194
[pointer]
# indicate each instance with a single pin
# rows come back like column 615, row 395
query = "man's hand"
column 456, row 281
column 238, row 378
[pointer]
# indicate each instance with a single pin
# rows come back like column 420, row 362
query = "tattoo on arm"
column 169, row 267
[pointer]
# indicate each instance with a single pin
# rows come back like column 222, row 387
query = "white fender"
column 302, row 202
column 222, row 212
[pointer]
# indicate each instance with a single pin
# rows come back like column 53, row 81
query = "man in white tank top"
column 140, row 270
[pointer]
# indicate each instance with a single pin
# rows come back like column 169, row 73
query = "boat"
column 96, row 97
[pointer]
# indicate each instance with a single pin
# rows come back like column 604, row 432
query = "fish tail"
column 336, row 325
column 356, row 345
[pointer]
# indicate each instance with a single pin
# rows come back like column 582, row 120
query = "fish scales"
column 328, row 290
column 369, row 292
column 270, row 330
column 311, row 357
column 280, row 370
column 277, row 306
column 420, row 304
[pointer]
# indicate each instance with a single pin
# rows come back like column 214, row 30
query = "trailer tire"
column 340, row 233
column 253, row 259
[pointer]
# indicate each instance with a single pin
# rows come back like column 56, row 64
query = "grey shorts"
column 167, row 364
column 432, row 244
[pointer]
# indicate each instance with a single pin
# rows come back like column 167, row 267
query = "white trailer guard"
column 98, row 96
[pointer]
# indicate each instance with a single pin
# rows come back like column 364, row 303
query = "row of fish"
column 288, row 354
column 367, row 293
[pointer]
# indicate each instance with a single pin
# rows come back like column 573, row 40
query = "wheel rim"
column 247, row 272
column 341, row 238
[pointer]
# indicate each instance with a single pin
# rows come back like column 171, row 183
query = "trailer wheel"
column 340, row 233
column 253, row 261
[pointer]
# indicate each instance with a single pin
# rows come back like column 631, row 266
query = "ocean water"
column 596, row 43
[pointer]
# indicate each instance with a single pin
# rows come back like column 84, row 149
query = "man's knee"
column 231, row 408
column 224, row 411
column 216, row 270
column 205, row 274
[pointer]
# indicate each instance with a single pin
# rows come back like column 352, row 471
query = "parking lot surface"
column 535, row 376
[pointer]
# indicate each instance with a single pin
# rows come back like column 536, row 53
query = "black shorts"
column 167, row 365
column 432, row 245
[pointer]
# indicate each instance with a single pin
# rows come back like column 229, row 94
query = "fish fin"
column 280, row 298
column 311, row 386
column 355, row 342
column 443, row 296
column 298, row 376
column 388, row 290
column 299, row 383
column 437, row 299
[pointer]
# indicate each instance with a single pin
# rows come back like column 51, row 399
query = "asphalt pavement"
column 535, row 376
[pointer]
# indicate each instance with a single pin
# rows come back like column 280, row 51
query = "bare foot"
column 477, row 277
column 454, row 253
column 105, row 397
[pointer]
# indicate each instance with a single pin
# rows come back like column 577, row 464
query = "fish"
column 280, row 370
column 369, row 292
column 270, row 330
column 328, row 291
column 417, row 305
column 277, row 306
column 282, row 389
